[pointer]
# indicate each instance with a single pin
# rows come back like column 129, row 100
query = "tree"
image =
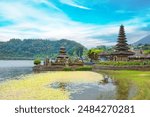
column 37, row 61
column 79, row 51
column 93, row 54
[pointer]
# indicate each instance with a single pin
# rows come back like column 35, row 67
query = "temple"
column 62, row 57
column 61, row 62
column 121, row 49
column 62, row 54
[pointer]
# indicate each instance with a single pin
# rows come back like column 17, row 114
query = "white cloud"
column 32, row 22
column 47, row 3
column 74, row 4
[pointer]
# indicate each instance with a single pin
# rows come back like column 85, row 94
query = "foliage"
column 93, row 54
column 124, row 63
column 37, row 61
column 142, row 47
column 33, row 48
column 67, row 69
column 84, row 68
column 102, row 47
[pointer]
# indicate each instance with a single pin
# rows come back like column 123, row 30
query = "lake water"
column 12, row 69
column 88, row 91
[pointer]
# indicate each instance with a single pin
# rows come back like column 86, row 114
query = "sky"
column 89, row 22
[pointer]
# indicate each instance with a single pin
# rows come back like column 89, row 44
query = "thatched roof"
column 62, row 56
column 123, row 53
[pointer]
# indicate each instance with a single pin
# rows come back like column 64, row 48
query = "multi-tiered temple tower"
column 121, row 49
column 62, row 58
column 62, row 54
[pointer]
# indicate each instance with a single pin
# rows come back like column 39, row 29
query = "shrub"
column 37, row 61
column 67, row 69
column 84, row 68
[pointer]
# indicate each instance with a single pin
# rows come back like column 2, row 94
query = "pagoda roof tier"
column 123, row 53
column 62, row 52
column 62, row 56
column 122, row 47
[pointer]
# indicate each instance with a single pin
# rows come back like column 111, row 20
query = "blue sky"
column 90, row 22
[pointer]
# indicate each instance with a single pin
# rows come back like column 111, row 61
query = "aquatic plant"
column 36, row 86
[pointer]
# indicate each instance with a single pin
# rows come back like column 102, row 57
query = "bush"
column 37, row 61
column 67, row 69
column 84, row 68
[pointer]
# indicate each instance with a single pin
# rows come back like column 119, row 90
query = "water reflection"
column 88, row 91
column 108, row 89
column 125, row 89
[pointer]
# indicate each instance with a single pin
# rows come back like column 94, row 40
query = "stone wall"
column 48, row 68
column 54, row 67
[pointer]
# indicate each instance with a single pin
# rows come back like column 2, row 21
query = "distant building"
column 62, row 57
column 62, row 54
column 63, row 60
column 121, row 49
column 139, row 55
column 104, row 56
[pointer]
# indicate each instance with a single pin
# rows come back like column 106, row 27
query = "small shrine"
column 62, row 57
column 60, row 63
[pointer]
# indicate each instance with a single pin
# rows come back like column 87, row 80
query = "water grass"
column 36, row 86
column 128, row 78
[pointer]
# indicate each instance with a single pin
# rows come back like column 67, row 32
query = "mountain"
column 33, row 48
column 145, row 40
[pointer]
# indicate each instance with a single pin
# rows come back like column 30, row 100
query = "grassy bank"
column 82, row 68
column 37, row 86
column 139, row 81
column 124, row 63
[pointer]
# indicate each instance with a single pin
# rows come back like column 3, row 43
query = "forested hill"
column 33, row 48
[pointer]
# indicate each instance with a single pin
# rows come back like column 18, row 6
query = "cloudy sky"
column 90, row 22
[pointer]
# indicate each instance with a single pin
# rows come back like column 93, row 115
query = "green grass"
column 125, row 79
column 67, row 69
column 124, row 63
column 82, row 68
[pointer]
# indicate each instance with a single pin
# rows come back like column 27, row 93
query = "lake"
column 10, row 69
column 77, row 84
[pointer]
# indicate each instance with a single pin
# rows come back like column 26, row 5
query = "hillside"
column 145, row 40
column 33, row 48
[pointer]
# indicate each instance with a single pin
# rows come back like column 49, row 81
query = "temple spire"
column 121, row 49
column 122, row 41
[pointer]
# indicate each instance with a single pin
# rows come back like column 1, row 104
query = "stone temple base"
column 54, row 67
